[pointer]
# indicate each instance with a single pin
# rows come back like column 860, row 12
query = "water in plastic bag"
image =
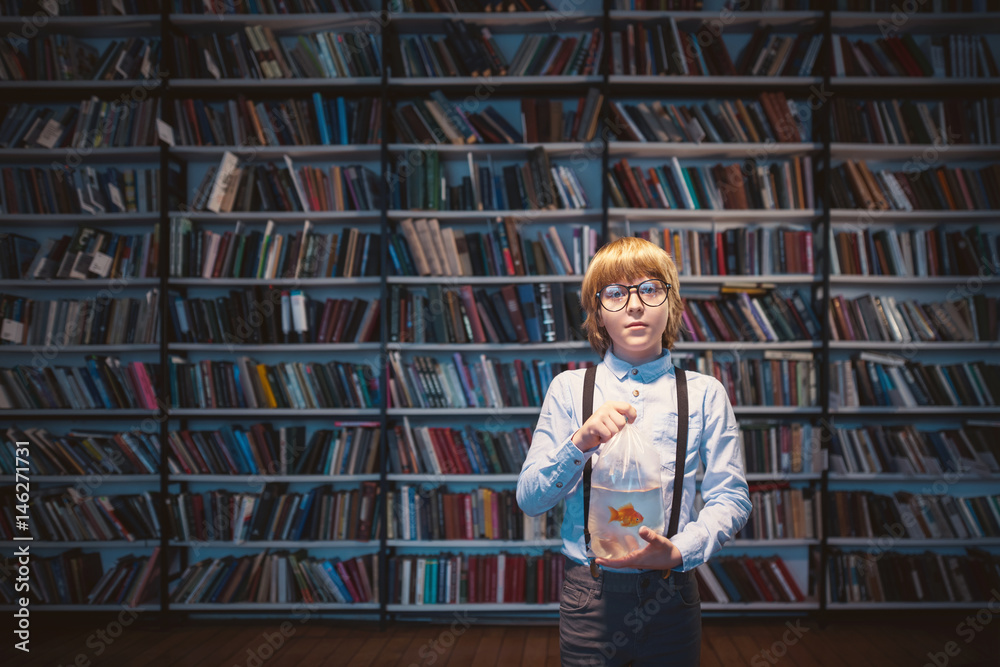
column 624, row 494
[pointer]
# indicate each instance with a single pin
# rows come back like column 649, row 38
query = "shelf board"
column 453, row 479
column 245, row 413
column 881, row 152
column 865, row 217
column 759, row 606
column 95, row 284
column 285, row 23
column 85, row 86
column 773, row 543
column 919, row 411
column 471, row 606
column 492, row 82
column 111, row 26
column 711, row 215
column 559, row 215
column 888, row 477
column 463, row 412
column 748, row 346
column 458, row 544
column 928, row 346
column 482, row 280
column 105, row 478
column 901, row 606
column 354, row 151
column 920, row 82
column 285, row 347
column 775, row 410
column 36, row 606
column 241, row 85
column 277, row 282
column 498, row 22
column 274, row 606
column 912, row 542
column 749, row 280
column 255, row 479
column 638, row 149
column 442, row 348
column 85, row 544
column 915, row 282
column 131, row 154
column 672, row 83
column 731, row 21
column 76, row 414
column 459, row 151
column 65, row 219
column 279, row 217
column 77, row 349
column 276, row 544
column 878, row 22
column 782, row 476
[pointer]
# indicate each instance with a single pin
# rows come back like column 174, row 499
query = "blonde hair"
column 628, row 259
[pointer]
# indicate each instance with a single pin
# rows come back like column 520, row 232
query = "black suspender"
column 589, row 380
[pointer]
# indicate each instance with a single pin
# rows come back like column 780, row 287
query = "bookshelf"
column 808, row 559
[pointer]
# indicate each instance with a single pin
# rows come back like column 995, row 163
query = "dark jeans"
column 633, row 619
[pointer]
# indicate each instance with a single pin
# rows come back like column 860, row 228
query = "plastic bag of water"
column 624, row 494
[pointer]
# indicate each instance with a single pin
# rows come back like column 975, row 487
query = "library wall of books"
column 284, row 285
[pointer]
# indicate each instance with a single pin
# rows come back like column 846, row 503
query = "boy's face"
column 637, row 329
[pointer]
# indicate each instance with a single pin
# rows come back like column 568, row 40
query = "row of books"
column 257, row 53
column 780, row 449
column 890, row 380
column 89, row 254
column 905, row 515
column 769, row 118
column 279, row 577
column 55, row 57
column 83, row 452
column 292, row 122
column 740, row 317
column 780, row 378
column 105, row 383
column 465, row 51
column 350, row 448
column 501, row 578
column 449, row 451
column 276, row 514
column 881, row 318
column 855, row 185
column 959, row 56
column 782, row 512
column 37, row 190
column 245, row 383
column 65, row 514
column 419, row 513
column 941, row 251
column 971, row 449
column 249, row 185
column 906, row 122
column 262, row 316
column 747, row 579
column 439, row 120
column 93, row 321
column 522, row 313
column 91, row 123
column 783, row 184
column 889, row 576
column 427, row 382
column 250, row 253
column 537, row 184
column 78, row 577
column 425, row 248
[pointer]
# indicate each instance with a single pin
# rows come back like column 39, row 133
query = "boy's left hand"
column 659, row 554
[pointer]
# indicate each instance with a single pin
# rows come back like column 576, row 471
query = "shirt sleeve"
column 724, row 488
column 554, row 463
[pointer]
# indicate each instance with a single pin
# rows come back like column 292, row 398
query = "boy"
column 642, row 608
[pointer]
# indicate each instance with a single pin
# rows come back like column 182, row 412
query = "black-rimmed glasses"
column 651, row 292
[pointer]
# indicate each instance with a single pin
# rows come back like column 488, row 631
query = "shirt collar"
column 648, row 371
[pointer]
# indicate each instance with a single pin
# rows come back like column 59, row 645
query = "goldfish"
column 626, row 515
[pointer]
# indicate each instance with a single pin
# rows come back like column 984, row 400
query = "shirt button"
column 635, row 371
column 558, row 485
column 635, row 392
column 576, row 462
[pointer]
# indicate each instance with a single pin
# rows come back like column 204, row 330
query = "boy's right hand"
column 604, row 424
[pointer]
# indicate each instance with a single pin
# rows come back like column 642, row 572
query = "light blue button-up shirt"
column 553, row 469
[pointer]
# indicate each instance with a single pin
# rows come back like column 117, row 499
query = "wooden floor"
column 882, row 641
